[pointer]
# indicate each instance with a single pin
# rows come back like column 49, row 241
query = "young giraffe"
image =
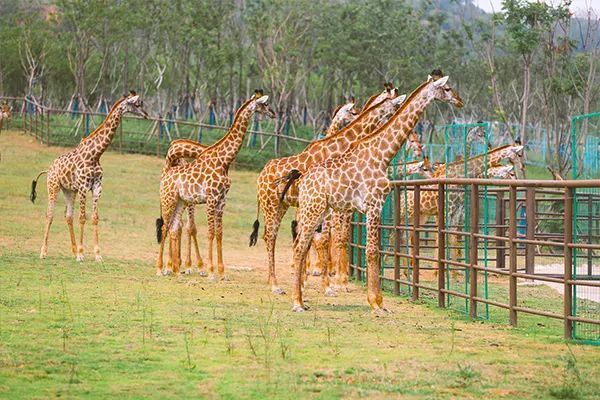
column 79, row 171
column 205, row 180
column 182, row 149
column 270, row 181
column 5, row 114
column 455, row 200
column 357, row 181
column 322, row 239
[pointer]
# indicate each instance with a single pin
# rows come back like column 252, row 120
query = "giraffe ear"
column 518, row 149
column 133, row 99
column 263, row 99
column 441, row 82
column 398, row 100
column 429, row 78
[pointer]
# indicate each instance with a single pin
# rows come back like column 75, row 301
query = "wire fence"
column 151, row 136
column 555, row 241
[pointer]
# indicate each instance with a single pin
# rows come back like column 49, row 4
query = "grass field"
column 96, row 330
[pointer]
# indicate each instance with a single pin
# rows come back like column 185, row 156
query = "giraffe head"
column 346, row 113
column 414, row 143
column 440, row 90
column 132, row 103
column 420, row 167
column 476, row 134
column 502, row 172
column 259, row 103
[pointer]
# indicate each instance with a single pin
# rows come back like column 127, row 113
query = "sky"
column 576, row 5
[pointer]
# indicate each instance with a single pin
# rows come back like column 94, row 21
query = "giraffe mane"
column 238, row 113
column 336, row 110
column 117, row 103
column 481, row 155
column 390, row 121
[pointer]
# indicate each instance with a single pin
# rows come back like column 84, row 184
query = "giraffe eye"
column 447, row 89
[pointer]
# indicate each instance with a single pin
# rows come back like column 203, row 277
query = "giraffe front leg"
column 374, row 295
column 96, row 193
column 82, row 199
column 175, row 237
column 52, row 193
column 193, row 233
column 219, row 236
column 273, row 217
column 210, row 219
column 70, row 198
column 340, row 239
column 322, row 249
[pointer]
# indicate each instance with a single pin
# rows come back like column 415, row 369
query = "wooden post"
column 500, row 231
column 397, row 243
column 473, row 250
column 512, row 251
column 352, row 249
column 158, row 122
column 416, row 244
column 48, row 127
column 568, row 263
column 530, row 230
column 441, row 241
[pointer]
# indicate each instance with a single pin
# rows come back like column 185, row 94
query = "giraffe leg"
column 159, row 261
column 193, row 234
column 307, row 224
column 82, row 199
column 374, row 295
column 175, row 237
column 53, row 189
column 273, row 216
column 219, row 236
column 187, row 262
column 211, row 211
column 96, row 193
column 340, row 244
column 70, row 198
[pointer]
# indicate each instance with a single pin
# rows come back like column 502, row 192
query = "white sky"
column 576, row 5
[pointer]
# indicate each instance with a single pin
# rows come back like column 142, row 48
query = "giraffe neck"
column 98, row 141
column 336, row 124
column 383, row 145
column 226, row 149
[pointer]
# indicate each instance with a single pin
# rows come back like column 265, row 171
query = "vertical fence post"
column 48, row 128
column 500, row 231
column 589, row 235
column 473, row 250
column 359, row 229
column 568, row 263
column 353, row 247
column 530, row 229
column 416, row 244
column 512, row 251
column 441, row 244
column 397, row 243
column 121, row 138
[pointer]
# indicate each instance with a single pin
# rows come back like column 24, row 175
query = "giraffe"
column 205, row 180
column 5, row 114
column 181, row 149
column 476, row 168
column 270, row 180
column 357, row 181
column 78, row 172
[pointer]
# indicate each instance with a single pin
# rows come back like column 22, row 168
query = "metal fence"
column 151, row 136
column 510, row 246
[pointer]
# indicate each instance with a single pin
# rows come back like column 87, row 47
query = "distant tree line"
column 528, row 64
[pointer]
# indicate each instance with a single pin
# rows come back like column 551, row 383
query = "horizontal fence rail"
column 500, row 243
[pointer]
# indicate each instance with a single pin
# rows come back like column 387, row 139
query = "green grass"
column 96, row 330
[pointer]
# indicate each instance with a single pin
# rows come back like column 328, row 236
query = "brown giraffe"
column 182, row 149
column 357, row 181
column 79, row 171
column 205, row 180
column 476, row 168
column 338, row 224
column 5, row 114
column 271, row 183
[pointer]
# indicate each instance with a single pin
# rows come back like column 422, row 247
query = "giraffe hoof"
column 316, row 273
column 329, row 292
column 187, row 271
column 167, row 272
column 380, row 312
column 42, row 256
column 80, row 258
column 278, row 291
column 212, row 278
column 224, row 278
column 159, row 273
column 202, row 273
column 98, row 258
column 299, row 309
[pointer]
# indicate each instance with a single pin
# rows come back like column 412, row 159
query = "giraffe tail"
column 291, row 178
column 254, row 234
column 159, row 225
column 33, row 194
column 294, row 229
